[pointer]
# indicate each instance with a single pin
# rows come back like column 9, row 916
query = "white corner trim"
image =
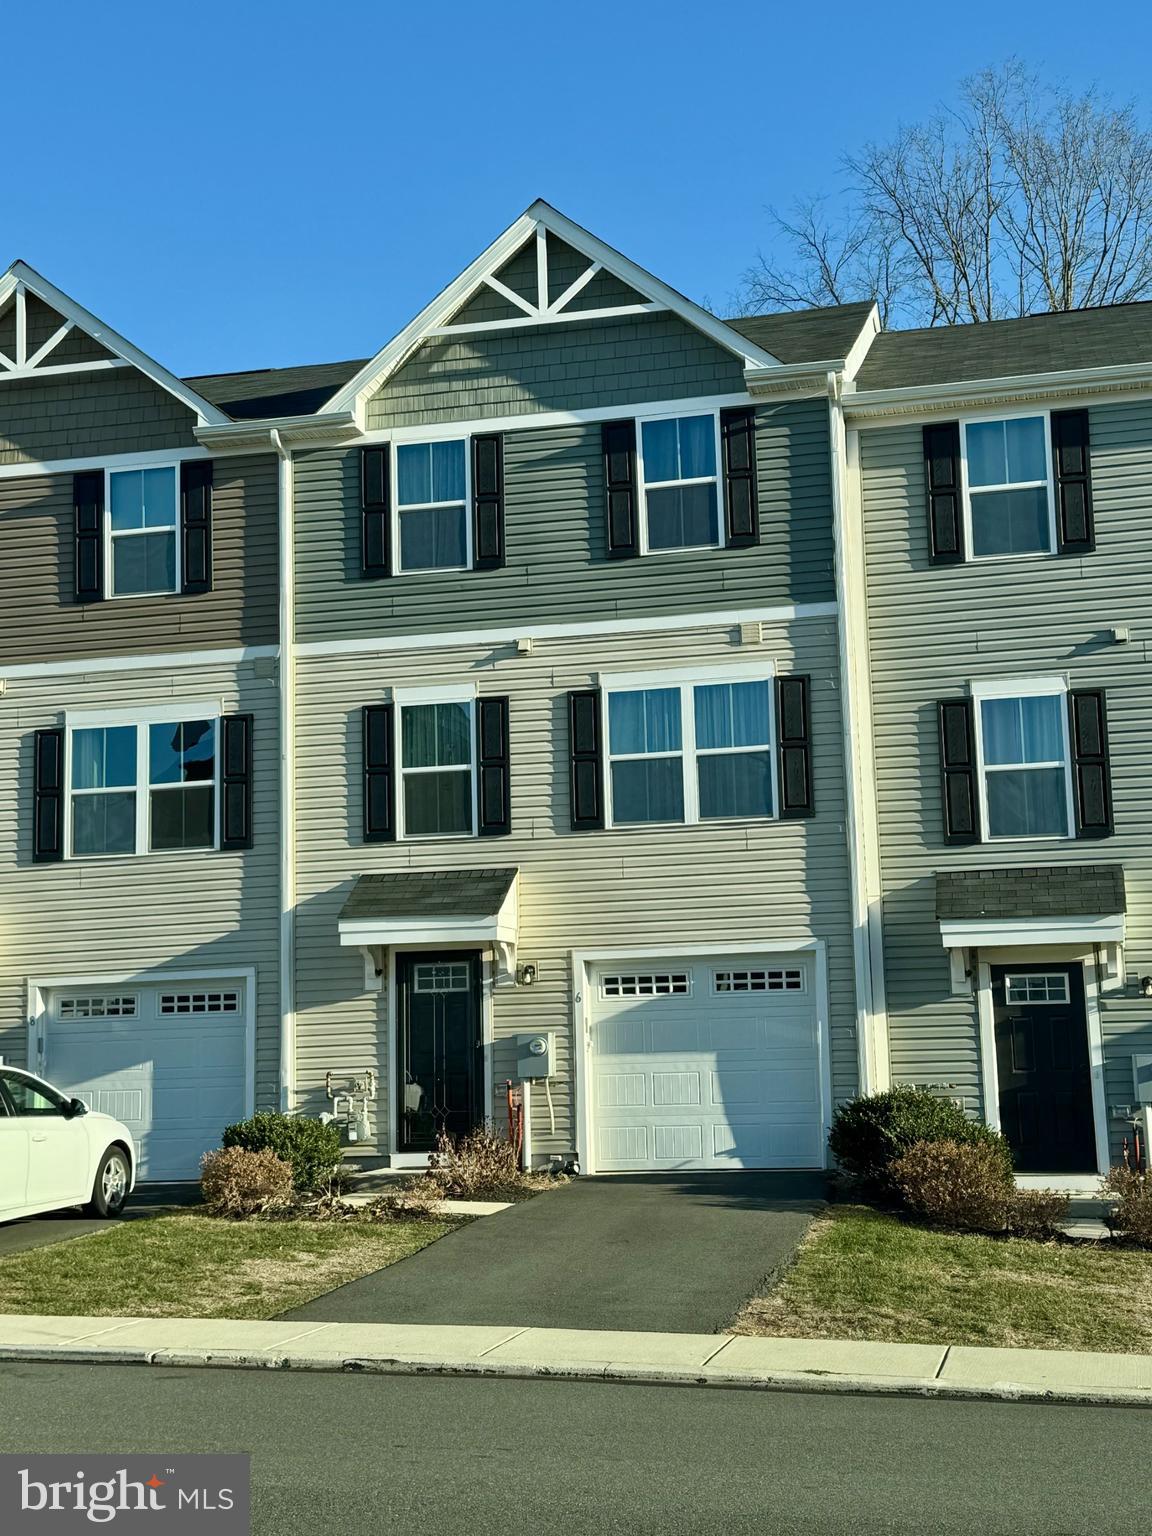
column 726, row 618
column 980, row 932
column 85, row 665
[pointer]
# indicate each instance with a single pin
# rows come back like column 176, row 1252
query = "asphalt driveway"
column 676, row 1253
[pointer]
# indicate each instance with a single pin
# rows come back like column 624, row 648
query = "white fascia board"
column 19, row 272
column 860, row 348
column 983, row 932
column 540, row 215
column 333, row 427
column 819, row 378
column 924, row 399
column 84, row 666
column 1018, row 687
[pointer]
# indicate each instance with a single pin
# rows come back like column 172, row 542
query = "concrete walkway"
column 666, row 1252
column 814, row 1365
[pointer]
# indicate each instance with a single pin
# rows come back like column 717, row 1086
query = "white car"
column 56, row 1152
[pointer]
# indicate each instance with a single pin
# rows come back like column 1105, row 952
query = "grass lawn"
column 863, row 1274
column 195, row 1266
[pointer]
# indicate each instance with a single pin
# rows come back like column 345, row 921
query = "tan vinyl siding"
column 180, row 911
column 932, row 630
column 564, row 367
column 40, row 619
column 556, row 542
column 76, row 416
column 739, row 884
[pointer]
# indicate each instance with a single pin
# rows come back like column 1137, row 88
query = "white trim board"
column 101, row 461
column 228, row 656
column 725, row 618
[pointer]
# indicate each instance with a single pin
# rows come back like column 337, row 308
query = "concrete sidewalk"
column 686, row 1359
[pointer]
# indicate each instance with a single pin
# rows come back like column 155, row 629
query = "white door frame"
column 38, row 1012
column 584, row 959
column 989, row 1077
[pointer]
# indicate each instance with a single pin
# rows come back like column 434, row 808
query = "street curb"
column 667, row 1376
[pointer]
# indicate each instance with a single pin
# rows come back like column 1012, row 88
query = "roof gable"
column 544, row 270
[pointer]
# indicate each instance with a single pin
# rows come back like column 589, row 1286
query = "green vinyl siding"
column 932, row 630
column 81, row 415
column 557, row 565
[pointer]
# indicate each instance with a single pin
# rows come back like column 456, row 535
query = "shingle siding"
column 83, row 415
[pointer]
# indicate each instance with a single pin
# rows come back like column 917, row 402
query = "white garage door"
column 706, row 1064
column 169, row 1060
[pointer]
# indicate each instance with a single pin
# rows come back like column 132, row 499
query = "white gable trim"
column 19, row 276
column 540, row 219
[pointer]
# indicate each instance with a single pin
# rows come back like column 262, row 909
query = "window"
column 432, row 506
column 123, row 1007
column 691, row 751
column 678, row 458
column 1026, row 782
column 654, row 984
column 31, row 1098
column 1010, row 506
column 442, row 978
column 142, row 788
column 758, row 981
column 199, row 1002
column 437, row 744
column 1037, row 987
column 143, row 510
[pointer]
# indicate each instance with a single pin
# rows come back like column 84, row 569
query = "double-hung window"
column 1024, row 757
column 437, row 765
column 1010, row 505
column 688, row 749
column 433, row 527
column 148, row 786
column 143, row 514
column 678, row 473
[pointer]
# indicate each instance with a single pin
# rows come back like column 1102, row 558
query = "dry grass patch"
column 865, row 1274
column 190, row 1265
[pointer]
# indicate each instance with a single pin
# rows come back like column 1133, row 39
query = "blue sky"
column 253, row 184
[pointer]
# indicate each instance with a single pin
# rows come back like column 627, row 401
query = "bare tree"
column 1018, row 197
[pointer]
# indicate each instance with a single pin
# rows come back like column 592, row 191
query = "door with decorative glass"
column 440, row 1074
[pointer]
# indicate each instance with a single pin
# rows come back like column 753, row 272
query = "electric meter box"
column 536, row 1055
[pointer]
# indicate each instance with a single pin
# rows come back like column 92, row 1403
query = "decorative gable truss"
column 544, row 270
column 45, row 334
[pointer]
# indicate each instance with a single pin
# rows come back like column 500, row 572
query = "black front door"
column 440, row 1072
column 1043, row 1066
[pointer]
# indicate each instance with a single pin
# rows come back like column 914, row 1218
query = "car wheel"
column 111, row 1187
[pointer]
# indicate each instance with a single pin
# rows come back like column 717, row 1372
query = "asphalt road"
column 335, row 1455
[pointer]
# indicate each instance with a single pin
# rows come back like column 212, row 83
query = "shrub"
column 1130, row 1192
column 1037, row 1213
column 478, row 1166
column 313, row 1149
column 416, row 1203
column 870, row 1133
column 958, row 1184
column 236, row 1182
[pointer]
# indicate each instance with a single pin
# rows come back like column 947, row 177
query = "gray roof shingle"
column 430, row 893
column 1054, row 343
column 806, row 335
column 271, row 392
column 1055, row 890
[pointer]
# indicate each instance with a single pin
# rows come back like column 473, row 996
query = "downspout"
column 867, row 951
column 287, row 731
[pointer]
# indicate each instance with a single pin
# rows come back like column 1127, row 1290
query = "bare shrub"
column 957, row 1184
column 236, row 1182
column 1130, row 1192
column 1037, row 1213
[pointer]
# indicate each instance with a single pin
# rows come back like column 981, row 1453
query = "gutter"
column 963, row 393
column 287, row 805
column 333, row 428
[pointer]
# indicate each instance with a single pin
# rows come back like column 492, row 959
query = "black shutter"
column 88, row 514
column 738, row 436
column 585, row 753
column 196, row 526
column 1091, row 774
column 487, row 502
column 620, row 493
column 794, row 746
column 48, row 812
column 942, row 483
column 958, row 770
column 379, row 775
column 236, row 781
column 1075, row 532
column 375, row 512
column 492, row 756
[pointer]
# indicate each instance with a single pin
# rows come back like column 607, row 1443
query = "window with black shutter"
column 1075, row 529
column 492, row 757
column 488, row 502
column 620, row 488
column 88, row 519
column 738, row 436
column 794, row 746
column 379, row 773
column 586, row 760
column 1091, row 774
column 375, row 512
column 48, row 805
column 196, row 526
column 236, row 781
column 942, row 484
column 955, row 718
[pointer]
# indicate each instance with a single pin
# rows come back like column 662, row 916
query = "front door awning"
column 434, row 909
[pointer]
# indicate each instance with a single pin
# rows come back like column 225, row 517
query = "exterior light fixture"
column 526, row 975
column 1146, row 986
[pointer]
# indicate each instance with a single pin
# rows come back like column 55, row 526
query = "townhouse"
column 695, row 721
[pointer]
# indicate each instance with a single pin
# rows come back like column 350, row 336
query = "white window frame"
column 643, row 486
column 394, row 482
column 402, row 698
column 684, row 681
column 987, row 419
column 1036, row 1002
column 109, row 538
column 140, row 720
column 1023, row 688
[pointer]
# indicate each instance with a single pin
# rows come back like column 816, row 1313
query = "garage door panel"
column 679, row 1143
column 675, row 1088
column 621, row 1090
